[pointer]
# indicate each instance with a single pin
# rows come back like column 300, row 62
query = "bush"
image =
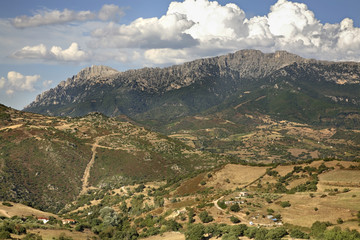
column 270, row 211
column 222, row 204
column 7, row 204
column 4, row 235
column 276, row 233
column 190, row 215
column 195, row 232
column 234, row 219
column 32, row 236
column 205, row 217
column 285, row 204
column 340, row 221
column 296, row 233
column 235, row 208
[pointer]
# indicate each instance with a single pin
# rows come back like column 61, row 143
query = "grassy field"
column 21, row 210
column 49, row 234
column 232, row 176
column 168, row 236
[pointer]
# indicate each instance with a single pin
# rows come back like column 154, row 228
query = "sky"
column 44, row 42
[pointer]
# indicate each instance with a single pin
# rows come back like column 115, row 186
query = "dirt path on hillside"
column 11, row 127
column 85, row 178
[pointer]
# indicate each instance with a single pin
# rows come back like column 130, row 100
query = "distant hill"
column 290, row 88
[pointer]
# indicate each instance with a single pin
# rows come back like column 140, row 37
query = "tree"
column 261, row 234
column 109, row 216
column 205, row 217
column 318, row 229
column 195, row 232
column 229, row 236
column 234, row 219
column 159, row 201
column 296, row 233
column 222, row 204
column 276, row 233
column 191, row 215
column 5, row 235
column 239, row 230
column 235, row 207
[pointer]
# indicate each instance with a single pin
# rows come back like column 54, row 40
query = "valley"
column 247, row 145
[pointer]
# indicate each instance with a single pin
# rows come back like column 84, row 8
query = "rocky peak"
column 95, row 71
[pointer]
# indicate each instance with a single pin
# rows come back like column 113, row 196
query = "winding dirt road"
column 85, row 178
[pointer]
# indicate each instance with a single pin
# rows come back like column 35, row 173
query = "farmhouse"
column 68, row 221
column 43, row 220
column 243, row 194
column 233, row 202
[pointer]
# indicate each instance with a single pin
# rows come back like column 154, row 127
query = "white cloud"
column 110, row 12
column 211, row 19
column 17, row 82
column 190, row 29
column 166, row 32
column 56, row 53
column 73, row 53
column 49, row 17
column 166, row 55
column 47, row 83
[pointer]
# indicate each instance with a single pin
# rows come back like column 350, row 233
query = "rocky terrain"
column 165, row 94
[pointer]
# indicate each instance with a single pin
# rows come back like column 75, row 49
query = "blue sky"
column 43, row 42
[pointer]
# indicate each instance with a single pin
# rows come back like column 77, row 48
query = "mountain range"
column 280, row 84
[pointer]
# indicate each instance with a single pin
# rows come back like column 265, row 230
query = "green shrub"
column 195, row 232
column 285, row 204
column 234, row 219
column 296, row 233
column 205, row 217
column 235, row 208
column 222, row 204
column 4, row 235
column 7, row 204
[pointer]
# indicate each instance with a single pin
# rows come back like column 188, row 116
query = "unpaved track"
column 11, row 127
column 85, row 178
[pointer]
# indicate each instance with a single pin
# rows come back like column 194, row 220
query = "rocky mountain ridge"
column 162, row 94
column 244, row 64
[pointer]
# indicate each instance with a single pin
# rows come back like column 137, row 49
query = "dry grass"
column 168, row 236
column 21, row 210
column 49, row 234
column 341, row 176
column 297, row 182
column 238, row 176
column 190, row 186
column 330, row 208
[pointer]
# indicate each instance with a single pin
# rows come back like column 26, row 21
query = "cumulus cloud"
column 55, row 53
column 110, row 12
column 17, row 81
column 193, row 29
column 166, row 32
column 50, row 17
column 288, row 26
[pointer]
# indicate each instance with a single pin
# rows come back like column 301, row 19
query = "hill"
column 46, row 162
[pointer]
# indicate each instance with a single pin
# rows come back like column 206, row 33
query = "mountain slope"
column 45, row 161
column 162, row 95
